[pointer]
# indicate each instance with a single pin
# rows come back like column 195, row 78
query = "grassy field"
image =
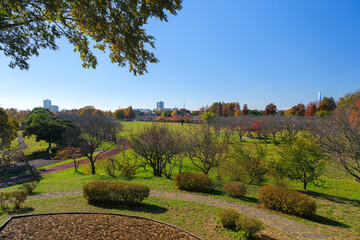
column 337, row 197
column 33, row 145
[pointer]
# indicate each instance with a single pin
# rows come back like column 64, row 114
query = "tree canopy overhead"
column 117, row 25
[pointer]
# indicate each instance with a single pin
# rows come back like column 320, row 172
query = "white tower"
column 319, row 96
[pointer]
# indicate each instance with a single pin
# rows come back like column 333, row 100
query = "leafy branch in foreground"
column 115, row 25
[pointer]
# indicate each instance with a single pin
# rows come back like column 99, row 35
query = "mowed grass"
column 336, row 194
column 33, row 145
column 199, row 219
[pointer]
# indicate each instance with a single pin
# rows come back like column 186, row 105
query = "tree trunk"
column 49, row 148
column 75, row 165
column 92, row 167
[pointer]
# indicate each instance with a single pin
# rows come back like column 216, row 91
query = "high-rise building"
column 54, row 108
column 160, row 105
column 47, row 103
column 319, row 96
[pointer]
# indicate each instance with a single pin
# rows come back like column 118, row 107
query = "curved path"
column 123, row 145
column 294, row 229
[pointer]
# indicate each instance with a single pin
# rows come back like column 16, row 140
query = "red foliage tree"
column 310, row 109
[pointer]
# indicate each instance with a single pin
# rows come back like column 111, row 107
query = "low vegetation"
column 191, row 181
column 287, row 201
column 115, row 192
column 234, row 189
column 245, row 226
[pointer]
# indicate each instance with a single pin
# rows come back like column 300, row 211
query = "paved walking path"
column 123, row 145
column 295, row 229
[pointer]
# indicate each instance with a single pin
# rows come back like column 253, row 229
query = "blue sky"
column 249, row 51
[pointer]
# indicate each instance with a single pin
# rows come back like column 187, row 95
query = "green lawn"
column 337, row 195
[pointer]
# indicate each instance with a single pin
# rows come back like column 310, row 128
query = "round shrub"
column 234, row 189
column 231, row 218
column 248, row 226
column 286, row 200
column 115, row 192
column 228, row 217
column 197, row 182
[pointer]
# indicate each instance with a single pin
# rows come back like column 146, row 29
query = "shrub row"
column 12, row 198
column 231, row 218
column 286, row 200
column 115, row 192
column 190, row 181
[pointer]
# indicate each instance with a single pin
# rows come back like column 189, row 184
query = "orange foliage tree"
column 270, row 109
column 69, row 153
column 310, row 109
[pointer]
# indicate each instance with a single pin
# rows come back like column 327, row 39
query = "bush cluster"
column 30, row 186
column 190, row 181
column 12, row 198
column 234, row 189
column 115, row 192
column 286, row 200
column 231, row 218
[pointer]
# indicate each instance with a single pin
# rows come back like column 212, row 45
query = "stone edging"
column 113, row 214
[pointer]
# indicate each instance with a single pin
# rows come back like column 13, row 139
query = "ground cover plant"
column 245, row 226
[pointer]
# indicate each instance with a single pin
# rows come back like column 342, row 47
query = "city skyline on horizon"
column 319, row 96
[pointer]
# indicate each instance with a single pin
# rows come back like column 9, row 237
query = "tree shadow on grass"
column 326, row 221
column 140, row 207
column 24, row 210
column 243, row 198
column 335, row 199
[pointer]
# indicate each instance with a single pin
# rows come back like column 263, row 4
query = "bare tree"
column 242, row 125
column 160, row 147
column 97, row 131
column 223, row 126
column 339, row 136
column 206, row 148
column 291, row 125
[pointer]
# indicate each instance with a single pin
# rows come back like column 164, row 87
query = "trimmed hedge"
column 286, row 200
column 190, row 181
column 234, row 189
column 16, row 199
column 115, row 192
column 231, row 218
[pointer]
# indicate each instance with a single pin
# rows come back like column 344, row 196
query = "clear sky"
column 249, row 51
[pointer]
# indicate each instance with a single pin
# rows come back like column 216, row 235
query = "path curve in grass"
column 123, row 145
column 295, row 229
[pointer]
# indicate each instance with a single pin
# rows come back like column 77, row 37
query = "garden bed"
column 89, row 226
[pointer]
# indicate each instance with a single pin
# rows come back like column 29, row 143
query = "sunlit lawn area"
column 337, row 196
